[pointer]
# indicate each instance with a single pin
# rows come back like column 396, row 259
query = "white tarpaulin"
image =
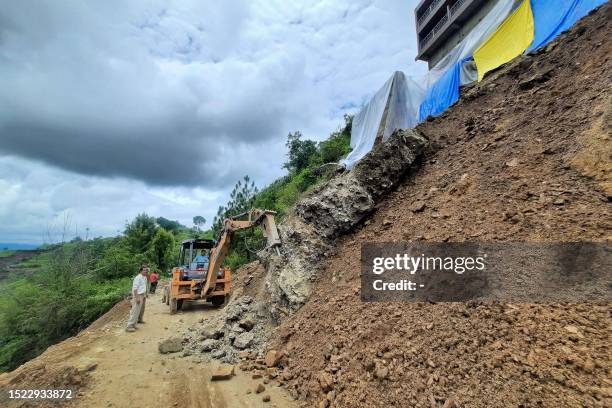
column 402, row 96
column 394, row 106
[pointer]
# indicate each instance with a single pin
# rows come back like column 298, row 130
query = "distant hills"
column 13, row 245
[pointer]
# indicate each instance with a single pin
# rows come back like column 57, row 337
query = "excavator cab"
column 194, row 257
column 190, row 276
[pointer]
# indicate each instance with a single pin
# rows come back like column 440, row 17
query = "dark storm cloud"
column 156, row 157
column 108, row 96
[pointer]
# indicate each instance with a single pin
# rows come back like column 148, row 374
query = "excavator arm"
column 263, row 218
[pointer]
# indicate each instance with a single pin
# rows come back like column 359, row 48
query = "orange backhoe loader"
column 199, row 275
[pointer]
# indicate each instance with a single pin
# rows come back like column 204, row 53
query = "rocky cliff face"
column 330, row 211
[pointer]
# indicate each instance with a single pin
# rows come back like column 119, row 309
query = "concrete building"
column 442, row 24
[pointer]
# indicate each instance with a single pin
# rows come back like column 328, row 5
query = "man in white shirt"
column 139, row 291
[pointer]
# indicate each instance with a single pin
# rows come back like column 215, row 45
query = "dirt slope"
column 111, row 368
column 525, row 155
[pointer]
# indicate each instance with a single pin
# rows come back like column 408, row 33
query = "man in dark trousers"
column 153, row 278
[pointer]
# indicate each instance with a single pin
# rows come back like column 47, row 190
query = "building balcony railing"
column 455, row 7
column 434, row 31
column 428, row 11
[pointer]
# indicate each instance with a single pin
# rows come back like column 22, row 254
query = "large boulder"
column 338, row 205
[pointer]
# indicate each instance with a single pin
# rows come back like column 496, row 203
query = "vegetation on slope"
column 6, row 252
column 307, row 165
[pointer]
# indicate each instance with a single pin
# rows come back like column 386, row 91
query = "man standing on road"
column 153, row 278
column 139, row 292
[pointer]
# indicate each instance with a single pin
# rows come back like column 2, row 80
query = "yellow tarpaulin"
column 510, row 40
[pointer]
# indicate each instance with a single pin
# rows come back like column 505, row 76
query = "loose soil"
column 512, row 161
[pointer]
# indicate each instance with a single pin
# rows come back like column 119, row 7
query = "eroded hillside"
column 525, row 155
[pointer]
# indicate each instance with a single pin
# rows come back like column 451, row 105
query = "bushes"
column 139, row 233
column 161, row 251
column 42, row 309
column 305, row 158
column 338, row 145
column 76, row 282
column 117, row 262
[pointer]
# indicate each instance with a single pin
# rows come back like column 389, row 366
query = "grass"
column 6, row 252
column 38, row 261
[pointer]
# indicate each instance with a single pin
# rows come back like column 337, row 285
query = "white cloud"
column 35, row 200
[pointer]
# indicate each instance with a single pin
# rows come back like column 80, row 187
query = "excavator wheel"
column 173, row 306
column 218, row 301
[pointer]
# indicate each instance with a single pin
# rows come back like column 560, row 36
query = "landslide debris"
column 281, row 284
column 510, row 162
column 244, row 324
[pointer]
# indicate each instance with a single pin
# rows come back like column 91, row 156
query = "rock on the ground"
column 223, row 372
column 211, row 333
column 209, row 344
column 171, row 345
column 247, row 323
column 243, row 340
column 273, row 357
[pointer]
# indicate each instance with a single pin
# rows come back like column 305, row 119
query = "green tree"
column 199, row 222
column 300, row 152
column 162, row 249
column 118, row 261
column 140, row 232
column 241, row 200
column 338, row 145
column 170, row 225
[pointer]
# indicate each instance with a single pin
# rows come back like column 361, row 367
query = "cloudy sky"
column 111, row 108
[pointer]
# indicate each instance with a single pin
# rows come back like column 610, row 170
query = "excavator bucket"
column 268, row 226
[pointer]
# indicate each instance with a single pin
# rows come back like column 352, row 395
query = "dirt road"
column 129, row 370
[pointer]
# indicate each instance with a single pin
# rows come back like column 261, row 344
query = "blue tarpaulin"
column 552, row 17
column 443, row 93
